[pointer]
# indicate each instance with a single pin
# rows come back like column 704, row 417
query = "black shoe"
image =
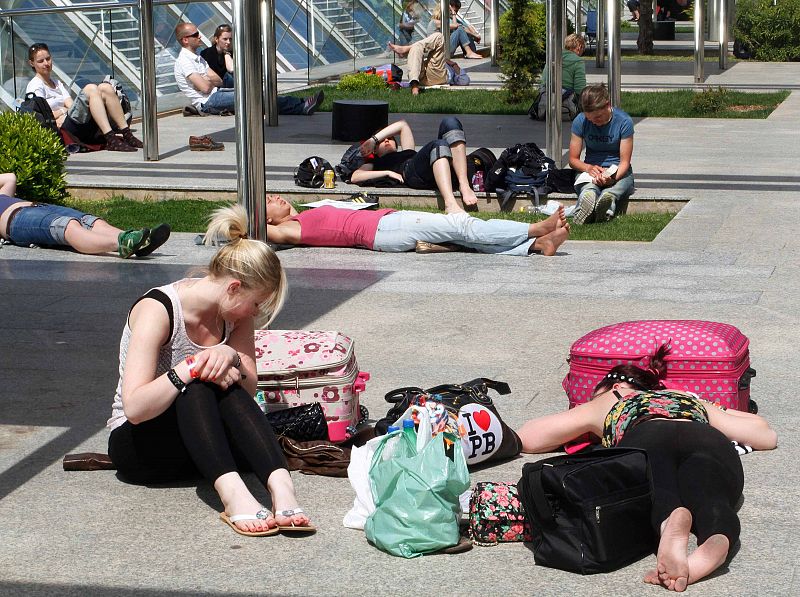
column 158, row 236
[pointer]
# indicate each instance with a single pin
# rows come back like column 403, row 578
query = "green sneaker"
column 157, row 237
column 131, row 241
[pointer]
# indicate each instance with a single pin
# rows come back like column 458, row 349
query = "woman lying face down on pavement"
column 393, row 231
column 184, row 404
column 26, row 223
column 697, row 473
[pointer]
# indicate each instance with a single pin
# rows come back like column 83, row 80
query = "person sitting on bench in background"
column 25, row 223
column 205, row 89
column 427, row 65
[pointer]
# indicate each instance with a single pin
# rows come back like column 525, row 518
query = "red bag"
column 708, row 358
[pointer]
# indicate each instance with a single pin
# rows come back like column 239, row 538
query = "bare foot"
column 468, row 196
column 557, row 220
column 651, row 577
column 473, row 56
column 549, row 243
column 672, row 559
column 401, row 51
column 708, row 557
column 237, row 499
column 281, row 489
column 414, row 89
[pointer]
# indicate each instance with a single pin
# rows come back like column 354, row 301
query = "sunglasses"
column 195, row 34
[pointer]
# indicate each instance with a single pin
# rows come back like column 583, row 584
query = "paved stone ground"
column 730, row 255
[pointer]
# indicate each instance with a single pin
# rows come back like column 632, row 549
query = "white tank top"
column 178, row 347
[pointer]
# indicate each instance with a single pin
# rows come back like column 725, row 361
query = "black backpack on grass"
column 38, row 106
column 311, row 172
column 351, row 161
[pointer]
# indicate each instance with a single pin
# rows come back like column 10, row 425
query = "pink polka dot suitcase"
column 298, row 367
column 708, row 358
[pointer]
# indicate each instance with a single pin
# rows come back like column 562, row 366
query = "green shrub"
column 35, row 155
column 361, row 82
column 522, row 55
column 710, row 101
column 770, row 31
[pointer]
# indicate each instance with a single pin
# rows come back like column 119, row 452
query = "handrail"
column 16, row 12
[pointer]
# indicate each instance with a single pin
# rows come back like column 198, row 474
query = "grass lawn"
column 191, row 216
column 665, row 104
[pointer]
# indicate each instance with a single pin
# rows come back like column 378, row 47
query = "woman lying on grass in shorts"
column 184, row 403
column 697, row 473
column 25, row 223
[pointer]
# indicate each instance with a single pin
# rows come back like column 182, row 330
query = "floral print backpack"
column 496, row 515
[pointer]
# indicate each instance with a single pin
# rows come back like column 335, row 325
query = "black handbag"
column 302, row 423
column 589, row 512
column 487, row 435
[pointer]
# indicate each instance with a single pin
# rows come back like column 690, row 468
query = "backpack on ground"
column 123, row 98
column 482, row 159
column 569, row 105
column 589, row 512
column 311, row 172
column 391, row 73
column 351, row 161
column 38, row 106
column 521, row 169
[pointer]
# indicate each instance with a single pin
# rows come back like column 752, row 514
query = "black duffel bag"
column 589, row 512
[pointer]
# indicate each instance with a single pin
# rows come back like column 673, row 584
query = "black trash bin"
column 664, row 30
column 357, row 120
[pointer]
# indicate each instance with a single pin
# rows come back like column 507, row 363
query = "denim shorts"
column 43, row 224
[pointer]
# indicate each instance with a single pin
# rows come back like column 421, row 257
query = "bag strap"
column 400, row 394
column 544, row 512
column 500, row 387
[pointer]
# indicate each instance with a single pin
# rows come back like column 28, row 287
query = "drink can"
column 328, row 179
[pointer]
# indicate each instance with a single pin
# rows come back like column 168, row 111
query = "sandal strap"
column 292, row 512
column 262, row 514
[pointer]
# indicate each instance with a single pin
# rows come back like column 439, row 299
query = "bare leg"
column 459, row 153
column 97, row 108
column 708, row 557
column 281, row 489
column 112, row 106
column 102, row 239
column 672, row 560
column 548, row 244
column 401, row 51
column 237, row 499
column 441, row 173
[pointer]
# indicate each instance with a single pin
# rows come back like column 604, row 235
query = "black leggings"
column 206, row 431
column 694, row 466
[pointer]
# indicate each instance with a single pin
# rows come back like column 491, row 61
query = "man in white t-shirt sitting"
column 204, row 87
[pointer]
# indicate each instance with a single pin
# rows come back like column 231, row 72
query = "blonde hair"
column 594, row 97
column 574, row 42
column 436, row 13
column 252, row 262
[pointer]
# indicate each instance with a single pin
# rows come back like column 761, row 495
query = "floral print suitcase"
column 708, row 358
column 298, row 367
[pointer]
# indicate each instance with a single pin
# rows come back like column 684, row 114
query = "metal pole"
column 270, row 61
column 600, row 55
column 713, row 17
column 249, row 115
column 699, row 43
column 445, row 6
column 495, row 16
column 723, row 34
column 555, row 43
column 149, row 103
column 614, row 59
column 578, row 16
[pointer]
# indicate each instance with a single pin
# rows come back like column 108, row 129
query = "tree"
column 522, row 42
column 645, row 39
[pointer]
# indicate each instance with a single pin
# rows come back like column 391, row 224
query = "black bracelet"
column 374, row 138
column 238, row 362
column 176, row 380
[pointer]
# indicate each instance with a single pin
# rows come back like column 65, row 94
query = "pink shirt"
column 336, row 227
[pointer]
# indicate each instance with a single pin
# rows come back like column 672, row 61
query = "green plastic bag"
column 416, row 495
